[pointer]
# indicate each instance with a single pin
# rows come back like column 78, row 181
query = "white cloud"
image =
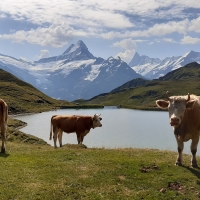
column 2, row 15
column 79, row 13
column 54, row 35
column 190, row 40
column 22, row 58
column 169, row 40
column 159, row 30
column 195, row 25
column 56, row 22
column 129, row 46
column 44, row 54
column 168, row 28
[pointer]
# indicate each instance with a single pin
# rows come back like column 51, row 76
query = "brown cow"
column 184, row 114
column 3, row 123
column 73, row 123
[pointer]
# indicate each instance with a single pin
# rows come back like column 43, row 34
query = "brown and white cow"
column 184, row 115
column 81, row 125
column 3, row 123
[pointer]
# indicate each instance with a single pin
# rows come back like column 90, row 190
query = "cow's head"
column 96, row 121
column 177, row 106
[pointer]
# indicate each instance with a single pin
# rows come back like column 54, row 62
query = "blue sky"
column 34, row 29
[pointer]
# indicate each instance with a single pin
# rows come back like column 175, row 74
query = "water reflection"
column 122, row 128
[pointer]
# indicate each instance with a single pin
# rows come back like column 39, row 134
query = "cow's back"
column 72, row 123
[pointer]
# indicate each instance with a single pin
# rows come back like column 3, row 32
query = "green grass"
column 72, row 172
column 32, row 169
column 144, row 97
column 22, row 97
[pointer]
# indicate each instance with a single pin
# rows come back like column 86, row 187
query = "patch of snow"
column 95, row 70
column 73, row 49
column 15, row 62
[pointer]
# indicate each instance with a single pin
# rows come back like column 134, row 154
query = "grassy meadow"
column 75, row 172
column 32, row 169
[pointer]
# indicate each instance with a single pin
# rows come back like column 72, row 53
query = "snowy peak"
column 153, row 68
column 115, row 66
column 113, row 61
column 141, row 60
column 135, row 60
column 76, row 47
column 78, row 51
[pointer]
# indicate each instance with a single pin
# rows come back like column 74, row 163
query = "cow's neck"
column 181, row 131
column 92, row 126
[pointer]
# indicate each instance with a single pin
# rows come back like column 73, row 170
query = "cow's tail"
column 4, row 109
column 50, row 137
column 51, row 126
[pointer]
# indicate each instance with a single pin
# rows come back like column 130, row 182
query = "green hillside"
column 143, row 94
column 22, row 97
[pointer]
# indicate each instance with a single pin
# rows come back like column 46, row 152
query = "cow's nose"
column 174, row 121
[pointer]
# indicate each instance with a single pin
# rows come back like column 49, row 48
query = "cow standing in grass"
column 184, row 114
column 81, row 125
column 3, row 123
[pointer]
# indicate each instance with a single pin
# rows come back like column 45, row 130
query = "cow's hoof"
column 194, row 165
column 178, row 164
column 3, row 151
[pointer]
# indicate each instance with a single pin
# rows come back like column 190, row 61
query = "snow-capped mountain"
column 112, row 71
column 79, row 51
column 19, row 68
column 78, row 74
column 153, row 68
column 73, row 75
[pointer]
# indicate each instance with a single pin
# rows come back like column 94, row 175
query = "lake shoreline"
column 122, row 128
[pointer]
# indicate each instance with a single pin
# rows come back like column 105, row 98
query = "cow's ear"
column 190, row 103
column 162, row 103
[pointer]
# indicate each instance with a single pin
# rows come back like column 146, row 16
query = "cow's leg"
column 3, row 138
column 55, row 135
column 193, row 149
column 180, row 150
column 60, row 134
column 82, row 137
column 78, row 138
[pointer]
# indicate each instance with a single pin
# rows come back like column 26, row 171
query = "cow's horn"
column 167, row 96
column 188, row 97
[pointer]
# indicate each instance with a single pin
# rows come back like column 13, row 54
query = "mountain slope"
column 113, row 73
column 190, row 71
column 144, row 94
column 22, row 97
column 73, row 75
column 79, row 51
column 153, row 68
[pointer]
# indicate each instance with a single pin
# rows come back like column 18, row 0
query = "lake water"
column 122, row 128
